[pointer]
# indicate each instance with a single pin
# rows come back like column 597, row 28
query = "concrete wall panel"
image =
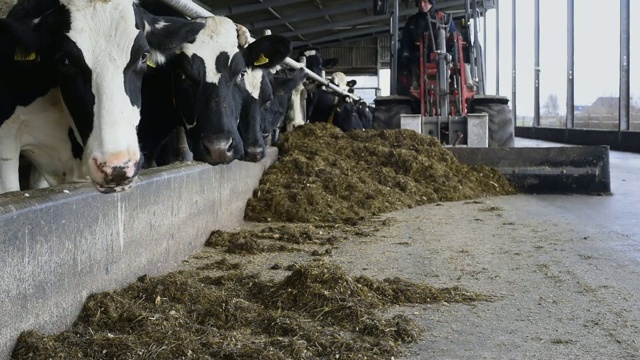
column 59, row 245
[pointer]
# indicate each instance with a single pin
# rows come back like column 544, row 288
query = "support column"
column 514, row 112
column 570, row 118
column 625, row 27
column 536, row 66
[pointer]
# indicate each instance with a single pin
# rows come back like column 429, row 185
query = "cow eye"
column 241, row 75
column 144, row 57
column 63, row 60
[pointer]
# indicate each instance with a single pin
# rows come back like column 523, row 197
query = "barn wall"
column 57, row 247
column 359, row 57
column 385, row 49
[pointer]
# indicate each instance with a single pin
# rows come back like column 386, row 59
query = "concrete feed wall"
column 61, row 244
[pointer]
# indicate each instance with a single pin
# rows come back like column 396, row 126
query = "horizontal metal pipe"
column 193, row 10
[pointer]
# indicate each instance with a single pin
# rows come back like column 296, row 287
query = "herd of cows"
column 95, row 90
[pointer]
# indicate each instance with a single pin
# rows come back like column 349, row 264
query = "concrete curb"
column 59, row 245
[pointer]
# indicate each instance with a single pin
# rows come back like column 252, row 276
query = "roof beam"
column 345, row 35
column 276, row 14
column 346, row 23
column 242, row 9
column 319, row 5
column 336, row 42
column 300, row 16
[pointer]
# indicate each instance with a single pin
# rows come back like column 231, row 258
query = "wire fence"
column 584, row 121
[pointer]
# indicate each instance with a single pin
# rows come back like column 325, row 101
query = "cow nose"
column 114, row 172
column 254, row 154
column 119, row 175
column 219, row 149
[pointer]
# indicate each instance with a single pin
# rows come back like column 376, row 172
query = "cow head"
column 364, row 114
column 346, row 114
column 297, row 108
column 315, row 62
column 336, row 109
column 339, row 79
column 259, row 97
column 253, row 105
column 210, row 85
column 102, row 49
column 283, row 83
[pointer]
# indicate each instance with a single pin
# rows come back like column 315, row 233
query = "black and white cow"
column 33, row 119
column 283, row 82
column 303, row 97
column 100, row 52
column 365, row 114
column 296, row 114
column 314, row 60
column 256, row 109
column 363, row 110
column 337, row 109
column 204, row 86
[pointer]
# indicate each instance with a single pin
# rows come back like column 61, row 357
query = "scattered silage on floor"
column 219, row 311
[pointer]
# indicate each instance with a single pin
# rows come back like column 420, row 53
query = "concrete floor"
column 619, row 213
column 565, row 268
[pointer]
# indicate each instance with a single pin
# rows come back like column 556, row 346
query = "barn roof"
column 320, row 23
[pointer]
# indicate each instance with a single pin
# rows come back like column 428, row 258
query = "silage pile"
column 326, row 175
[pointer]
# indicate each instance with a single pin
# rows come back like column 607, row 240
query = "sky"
column 596, row 58
column 596, row 52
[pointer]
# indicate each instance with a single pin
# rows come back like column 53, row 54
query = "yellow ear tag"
column 261, row 60
column 21, row 56
column 151, row 63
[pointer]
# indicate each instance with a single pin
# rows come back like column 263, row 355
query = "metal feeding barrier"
column 191, row 9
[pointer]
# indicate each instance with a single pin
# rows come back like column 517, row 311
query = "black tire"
column 501, row 128
column 387, row 116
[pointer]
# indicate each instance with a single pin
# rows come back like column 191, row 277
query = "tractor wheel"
column 387, row 116
column 501, row 130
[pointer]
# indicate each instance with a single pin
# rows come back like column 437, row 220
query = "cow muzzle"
column 115, row 172
column 254, row 154
column 220, row 149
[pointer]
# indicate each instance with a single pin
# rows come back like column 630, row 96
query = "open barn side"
column 61, row 244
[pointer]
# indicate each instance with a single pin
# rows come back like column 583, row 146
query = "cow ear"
column 165, row 34
column 19, row 40
column 267, row 51
column 329, row 63
column 352, row 83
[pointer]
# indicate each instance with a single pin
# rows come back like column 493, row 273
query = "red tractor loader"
column 447, row 97
column 448, row 102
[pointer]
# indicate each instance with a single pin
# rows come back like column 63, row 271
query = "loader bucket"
column 546, row 170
